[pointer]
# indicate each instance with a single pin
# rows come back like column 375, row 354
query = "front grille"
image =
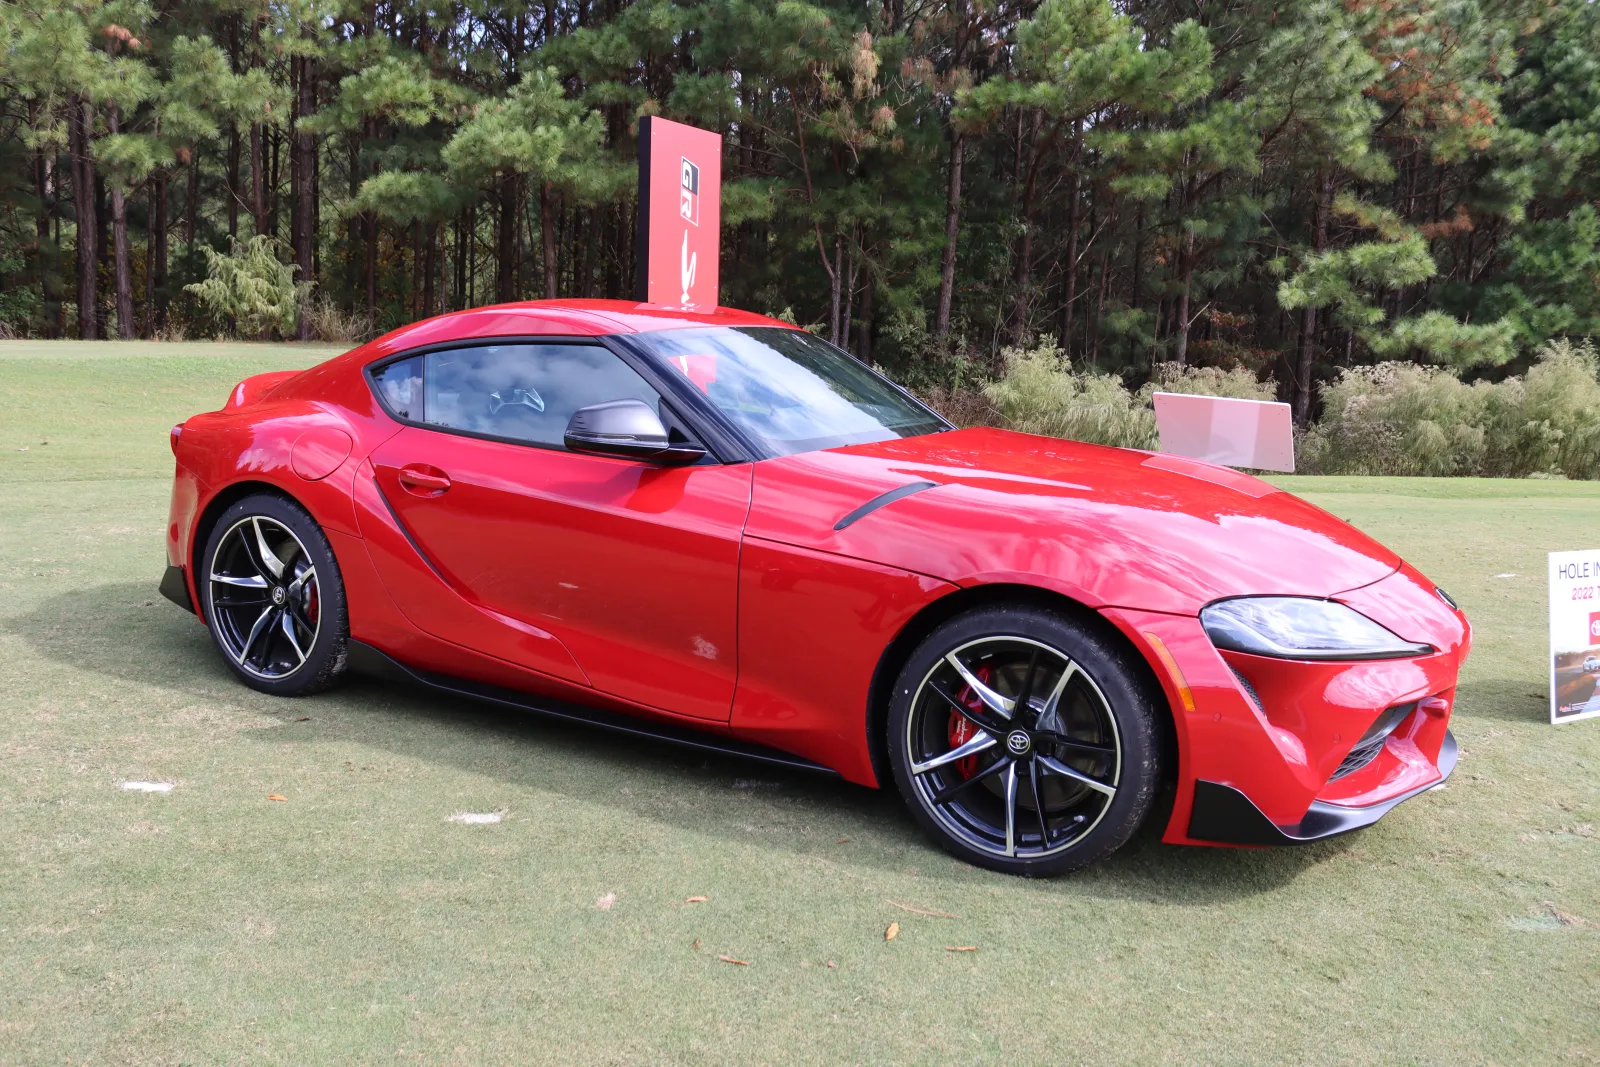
column 1366, row 750
column 1244, row 683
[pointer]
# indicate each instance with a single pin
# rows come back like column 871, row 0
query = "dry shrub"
column 329, row 322
column 1404, row 419
column 964, row 407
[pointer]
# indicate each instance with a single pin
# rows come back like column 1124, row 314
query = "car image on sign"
column 714, row 528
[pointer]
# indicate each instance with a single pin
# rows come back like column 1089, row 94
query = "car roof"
column 553, row 318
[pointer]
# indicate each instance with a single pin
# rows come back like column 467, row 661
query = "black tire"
column 1090, row 755
column 247, row 595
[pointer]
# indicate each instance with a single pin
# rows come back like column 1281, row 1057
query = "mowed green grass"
column 354, row 923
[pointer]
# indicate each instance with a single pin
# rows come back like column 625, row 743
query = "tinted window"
column 517, row 391
column 400, row 384
column 788, row 389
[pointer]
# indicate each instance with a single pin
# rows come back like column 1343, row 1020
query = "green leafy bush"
column 251, row 288
column 1400, row 418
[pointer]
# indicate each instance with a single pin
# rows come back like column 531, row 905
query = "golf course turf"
column 302, row 895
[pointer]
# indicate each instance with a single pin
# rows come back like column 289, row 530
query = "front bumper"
column 1277, row 751
column 1224, row 815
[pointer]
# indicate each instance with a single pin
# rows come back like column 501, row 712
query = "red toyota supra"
column 718, row 529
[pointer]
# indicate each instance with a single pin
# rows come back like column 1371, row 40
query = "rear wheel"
column 1024, row 741
column 273, row 597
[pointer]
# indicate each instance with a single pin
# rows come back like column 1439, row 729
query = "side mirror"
column 626, row 428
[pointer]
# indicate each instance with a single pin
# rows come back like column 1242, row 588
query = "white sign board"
column 1574, row 635
column 1235, row 433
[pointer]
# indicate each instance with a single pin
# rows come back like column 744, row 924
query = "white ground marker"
column 147, row 787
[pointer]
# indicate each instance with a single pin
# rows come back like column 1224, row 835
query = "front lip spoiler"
column 1226, row 816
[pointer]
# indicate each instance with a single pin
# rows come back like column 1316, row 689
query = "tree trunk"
column 1186, row 269
column 233, row 188
column 158, row 256
column 835, row 280
column 547, row 242
column 47, row 256
column 304, row 222
column 258, row 202
column 864, row 342
column 119, row 243
column 1072, row 256
column 506, row 243
column 1308, row 315
column 1022, row 278
column 952, row 229
column 80, row 125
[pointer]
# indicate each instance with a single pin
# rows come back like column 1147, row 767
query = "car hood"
column 1107, row 526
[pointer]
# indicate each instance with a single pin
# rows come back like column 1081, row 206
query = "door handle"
column 421, row 480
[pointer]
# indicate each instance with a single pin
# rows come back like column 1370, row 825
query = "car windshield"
column 788, row 389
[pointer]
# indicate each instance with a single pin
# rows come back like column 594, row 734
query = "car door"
column 632, row 565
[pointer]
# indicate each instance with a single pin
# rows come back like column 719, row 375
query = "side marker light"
column 1185, row 695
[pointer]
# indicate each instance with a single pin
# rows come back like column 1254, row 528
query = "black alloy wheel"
column 273, row 597
column 1025, row 741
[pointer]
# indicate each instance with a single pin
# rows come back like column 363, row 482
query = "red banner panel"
column 680, row 213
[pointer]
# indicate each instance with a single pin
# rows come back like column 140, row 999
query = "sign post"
column 1574, row 635
column 680, row 214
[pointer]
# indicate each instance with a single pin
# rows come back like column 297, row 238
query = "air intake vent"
column 1366, row 750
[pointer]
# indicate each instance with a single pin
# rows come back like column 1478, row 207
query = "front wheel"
column 1024, row 741
column 273, row 597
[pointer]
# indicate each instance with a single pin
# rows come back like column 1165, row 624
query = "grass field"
column 354, row 922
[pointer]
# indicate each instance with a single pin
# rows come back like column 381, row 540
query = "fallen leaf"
column 24, row 448
column 892, row 933
column 961, row 948
column 1566, row 918
column 696, row 945
column 303, row 718
column 276, row 796
column 832, row 965
column 841, row 840
column 919, row 911
column 605, row 902
column 696, row 900
column 730, row 959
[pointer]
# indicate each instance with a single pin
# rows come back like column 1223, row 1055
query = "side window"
column 519, row 391
column 400, row 384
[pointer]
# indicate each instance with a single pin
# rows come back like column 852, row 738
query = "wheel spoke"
column 982, row 722
column 1055, row 766
column 309, row 574
column 987, row 772
column 1038, row 804
column 253, row 581
column 971, row 747
column 1050, row 715
column 262, row 622
column 1023, row 694
column 273, row 564
column 288, row 631
column 992, row 700
column 1011, row 808
column 1092, row 747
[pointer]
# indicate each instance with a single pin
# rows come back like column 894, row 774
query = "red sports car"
column 718, row 529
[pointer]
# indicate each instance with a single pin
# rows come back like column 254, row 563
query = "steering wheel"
column 504, row 398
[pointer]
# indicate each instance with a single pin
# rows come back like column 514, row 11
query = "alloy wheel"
column 1013, row 748
column 265, row 600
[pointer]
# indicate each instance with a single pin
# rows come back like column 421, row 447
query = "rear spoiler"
column 256, row 387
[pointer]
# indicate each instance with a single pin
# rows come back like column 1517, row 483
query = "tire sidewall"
column 1131, row 705
column 326, row 659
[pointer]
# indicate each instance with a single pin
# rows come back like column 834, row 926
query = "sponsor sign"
column 680, row 214
column 1258, row 434
column 1574, row 635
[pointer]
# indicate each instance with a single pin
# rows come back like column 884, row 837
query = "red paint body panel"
column 633, row 567
column 812, row 629
column 724, row 597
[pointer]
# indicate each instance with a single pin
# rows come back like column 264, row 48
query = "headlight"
column 1289, row 627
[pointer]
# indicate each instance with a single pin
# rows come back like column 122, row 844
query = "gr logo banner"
column 680, row 214
column 1594, row 628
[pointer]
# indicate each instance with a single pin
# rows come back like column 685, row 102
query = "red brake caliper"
column 961, row 729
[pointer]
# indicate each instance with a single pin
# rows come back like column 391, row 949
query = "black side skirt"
column 1223, row 814
column 364, row 659
column 175, row 589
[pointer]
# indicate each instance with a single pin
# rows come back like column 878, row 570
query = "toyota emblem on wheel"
column 1018, row 742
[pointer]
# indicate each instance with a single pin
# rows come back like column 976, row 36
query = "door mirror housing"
column 627, row 428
